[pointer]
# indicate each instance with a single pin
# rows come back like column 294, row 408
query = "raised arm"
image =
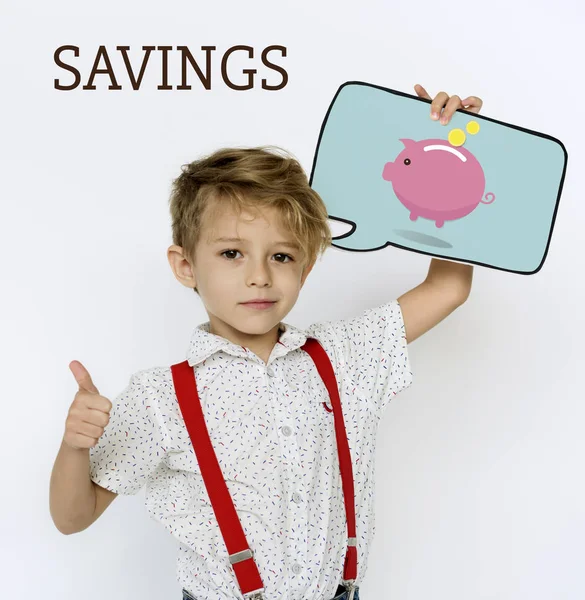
column 446, row 287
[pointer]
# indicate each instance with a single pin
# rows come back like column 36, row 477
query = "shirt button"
column 296, row 568
column 286, row 430
column 270, row 371
column 297, row 498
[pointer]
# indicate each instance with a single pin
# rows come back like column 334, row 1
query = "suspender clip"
column 350, row 587
column 239, row 557
column 255, row 595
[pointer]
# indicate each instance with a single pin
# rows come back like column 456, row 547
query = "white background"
column 480, row 489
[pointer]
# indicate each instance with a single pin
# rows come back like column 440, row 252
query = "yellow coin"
column 457, row 137
column 472, row 127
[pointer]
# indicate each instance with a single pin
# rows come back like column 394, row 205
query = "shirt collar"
column 203, row 344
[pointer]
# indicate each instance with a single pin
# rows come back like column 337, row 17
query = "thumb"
column 82, row 377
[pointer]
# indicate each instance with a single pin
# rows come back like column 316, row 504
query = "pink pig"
column 436, row 180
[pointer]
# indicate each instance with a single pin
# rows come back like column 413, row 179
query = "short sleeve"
column 133, row 443
column 373, row 350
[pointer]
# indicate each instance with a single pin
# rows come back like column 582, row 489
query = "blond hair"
column 254, row 178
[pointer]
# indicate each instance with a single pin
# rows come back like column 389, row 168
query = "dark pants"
column 340, row 594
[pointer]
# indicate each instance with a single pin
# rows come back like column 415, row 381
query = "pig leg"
column 439, row 223
column 413, row 216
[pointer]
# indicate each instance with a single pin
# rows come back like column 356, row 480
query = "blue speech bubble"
column 365, row 128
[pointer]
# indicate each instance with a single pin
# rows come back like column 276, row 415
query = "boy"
column 247, row 230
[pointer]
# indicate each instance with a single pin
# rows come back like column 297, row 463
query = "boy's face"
column 229, row 273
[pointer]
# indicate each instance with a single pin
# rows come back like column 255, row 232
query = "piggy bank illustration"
column 436, row 180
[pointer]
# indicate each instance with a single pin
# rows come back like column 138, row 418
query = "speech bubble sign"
column 476, row 191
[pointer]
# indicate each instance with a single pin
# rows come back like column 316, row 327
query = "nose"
column 258, row 273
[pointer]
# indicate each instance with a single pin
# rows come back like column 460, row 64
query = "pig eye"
column 407, row 161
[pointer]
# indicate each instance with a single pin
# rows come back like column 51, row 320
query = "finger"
column 472, row 104
column 84, row 441
column 420, row 90
column 91, row 429
column 99, row 415
column 438, row 103
column 452, row 105
column 82, row 377
column 97, row 406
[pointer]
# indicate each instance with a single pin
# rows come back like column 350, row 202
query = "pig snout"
column 388, row 170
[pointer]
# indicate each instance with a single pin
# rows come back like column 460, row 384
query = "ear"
column 306, row 272
column 181, row 267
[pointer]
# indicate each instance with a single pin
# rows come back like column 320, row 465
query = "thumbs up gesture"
column 88, row 414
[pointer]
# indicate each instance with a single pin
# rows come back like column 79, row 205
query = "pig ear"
column 407, row 142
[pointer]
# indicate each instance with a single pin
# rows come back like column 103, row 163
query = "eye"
column 287, row 256
column 226, row 251
column 407, row 161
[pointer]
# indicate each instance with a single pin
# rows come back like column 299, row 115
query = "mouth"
column 259, row 305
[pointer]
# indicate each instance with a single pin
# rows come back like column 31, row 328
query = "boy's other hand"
column 88, row 414
column 448, row 104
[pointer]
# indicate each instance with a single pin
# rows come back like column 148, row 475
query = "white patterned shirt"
column 275, row 443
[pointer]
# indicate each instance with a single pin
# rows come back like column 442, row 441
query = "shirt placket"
column 294, row 500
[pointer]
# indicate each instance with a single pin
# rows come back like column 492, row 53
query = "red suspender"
column 231, row 529
column 321, row 360
column 240, row 555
